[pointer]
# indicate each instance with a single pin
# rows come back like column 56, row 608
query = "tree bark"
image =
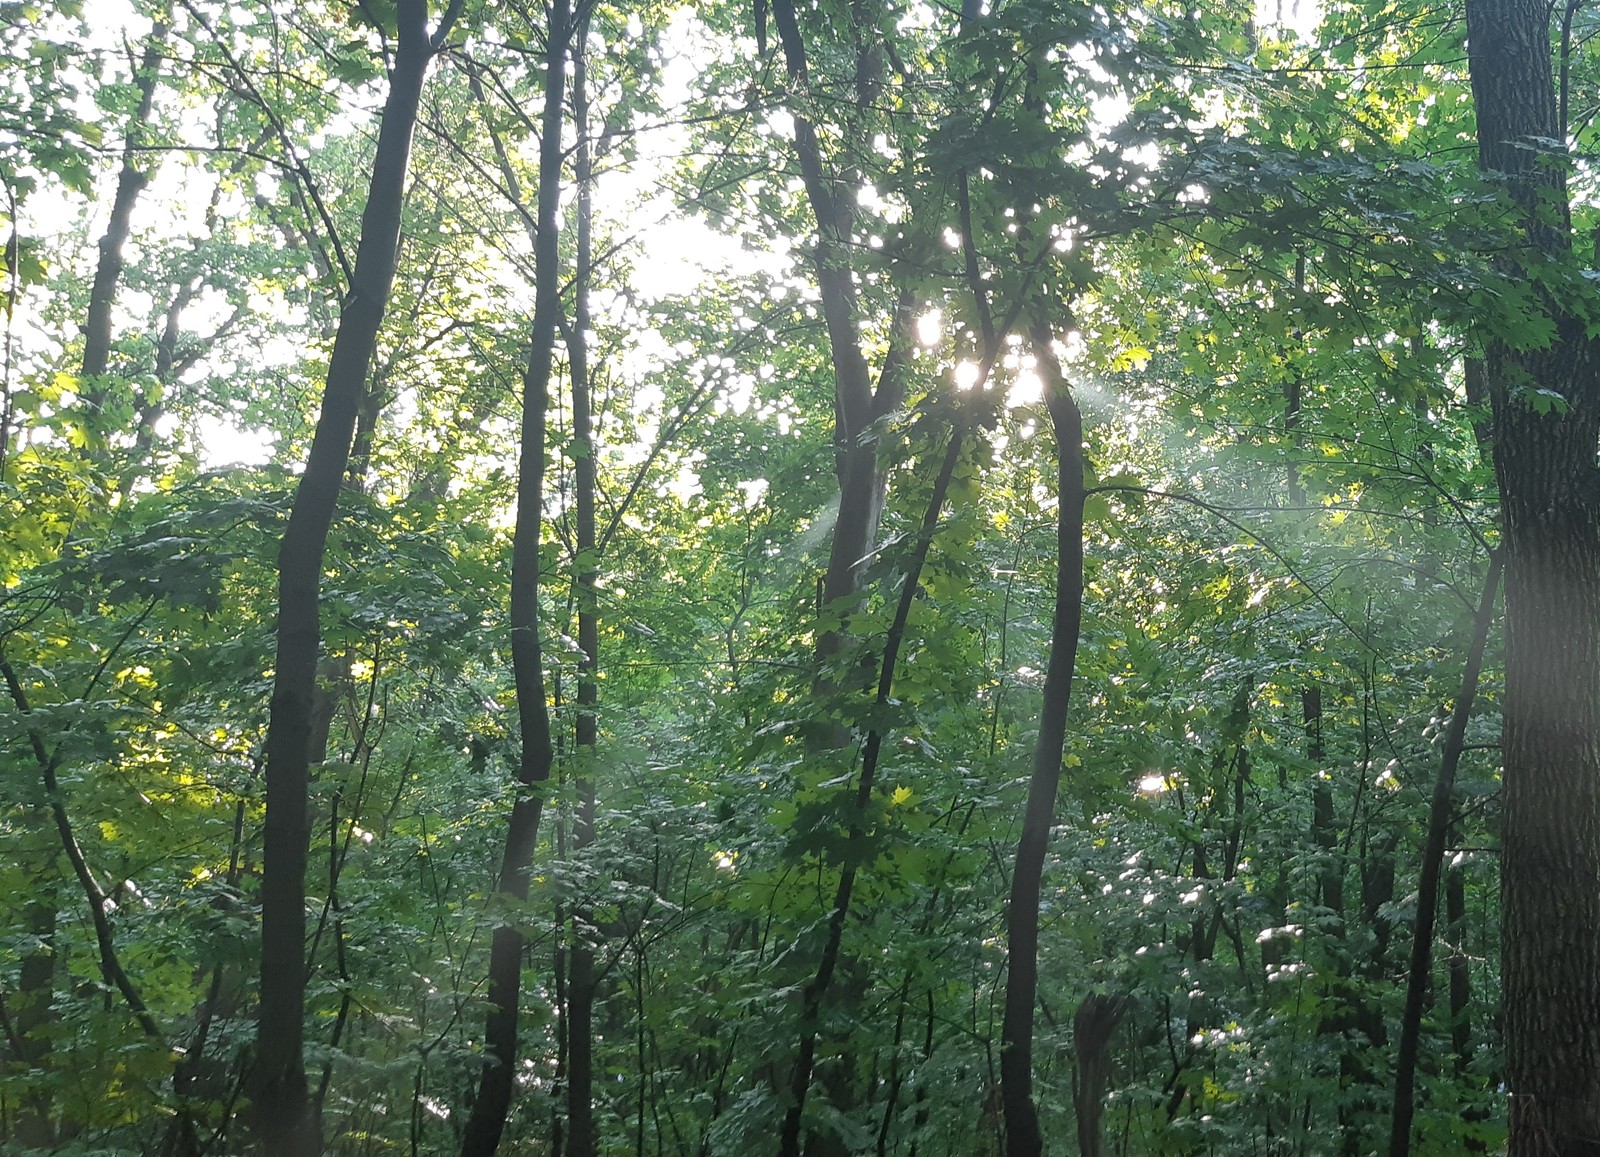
column 1023, row 1138
column 111, row 969
column 487, row 1121
column 1455, row 922
column 859, row 409
column 283, row 1123
column 1550, row 504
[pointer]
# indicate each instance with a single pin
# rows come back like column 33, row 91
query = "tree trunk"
column 1455, row 922
column 581, row 1139
column 1550, row 503
column 1405, row 1069
column 817, row 989
column 1324, row 833
column 282, row 1120
column 493, row 1101
column 858, row 407
column 1023, row 1138
column 108, row 269
column 1096, row 1020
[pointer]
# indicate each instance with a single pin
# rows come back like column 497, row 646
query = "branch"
column 1220, row 514
column 110, row 966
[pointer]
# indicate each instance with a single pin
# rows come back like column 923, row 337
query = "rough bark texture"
column 489, row 1108
column 282, row 1119
column 1023, row 1138
column 1545, row 466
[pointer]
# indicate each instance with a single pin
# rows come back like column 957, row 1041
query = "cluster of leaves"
column 1212, row 217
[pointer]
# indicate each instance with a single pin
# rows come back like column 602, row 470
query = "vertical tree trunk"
column 817, row 989
column 487, row 1121
column 1324, row 833
column 1405, row 1068
column 1092, row 1028
column 1293, row 391
column 37, row 979
column 1023, row 1138
column 1455, row 923
column 1550, row 503
column 581, row 1137
column 282, row 1120
column 858, row 407
column 131, row 181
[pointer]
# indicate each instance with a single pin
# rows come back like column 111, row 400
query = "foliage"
column 1267, row 258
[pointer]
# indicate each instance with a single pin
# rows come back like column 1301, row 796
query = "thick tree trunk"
column 1023, row 1138
column 493, row 1101
column 282, row 1119
column 1550, row 503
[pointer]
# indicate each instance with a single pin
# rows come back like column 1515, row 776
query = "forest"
column 800, row 577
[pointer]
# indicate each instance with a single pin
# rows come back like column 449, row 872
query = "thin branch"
column 110, row 966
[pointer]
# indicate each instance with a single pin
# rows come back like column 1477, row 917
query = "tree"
column 1140, row 341
column 1545, row 397
column 284, row 1122
column 493, row 1100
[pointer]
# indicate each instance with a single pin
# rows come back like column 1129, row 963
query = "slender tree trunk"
column 859, row 409
column 1455, row 922
column 1293, row 390
column 493, row 1101
column 581, row 1139
column 282, row 1119
column 131, row 181
column 111, row 969
column 36, row 982
column 373, row 399
column 1550, row 503
column 1023, row 1138
column 1405, row 1068
column 35, row 851
column 817, row 988
column 1324, row 833
column 858, row 406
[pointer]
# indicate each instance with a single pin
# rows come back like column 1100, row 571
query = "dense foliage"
column 813, row 293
